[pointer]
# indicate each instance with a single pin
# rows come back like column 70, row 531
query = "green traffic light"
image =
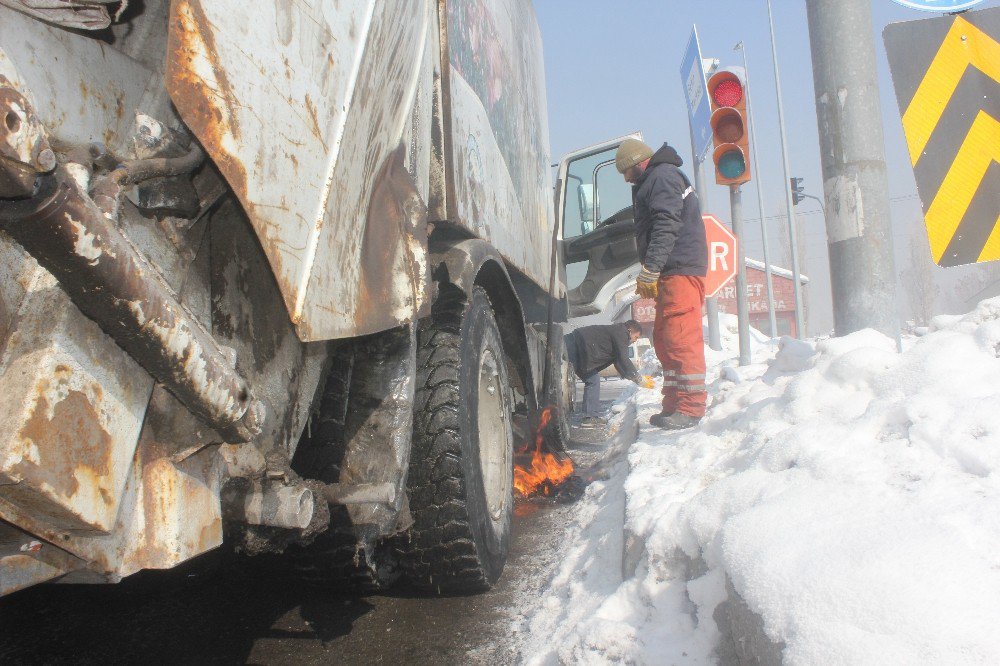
column 732, row 164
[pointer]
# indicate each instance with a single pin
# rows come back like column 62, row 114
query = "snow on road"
column 846, row 494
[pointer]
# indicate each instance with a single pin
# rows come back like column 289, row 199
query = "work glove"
column 645, row 284
column 646, row 382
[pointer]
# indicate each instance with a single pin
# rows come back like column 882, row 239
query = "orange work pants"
column 679, row 344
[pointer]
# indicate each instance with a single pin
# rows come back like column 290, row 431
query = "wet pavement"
column 228, row 609
column 232, row 610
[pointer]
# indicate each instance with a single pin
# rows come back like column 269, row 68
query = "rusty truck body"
column 277, row 273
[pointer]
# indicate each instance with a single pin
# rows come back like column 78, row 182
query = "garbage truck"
column 282, row 274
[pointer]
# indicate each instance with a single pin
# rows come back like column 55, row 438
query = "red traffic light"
column 728, row 92
column 729, row 128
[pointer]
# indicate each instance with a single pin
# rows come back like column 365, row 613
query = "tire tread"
column 441, row 555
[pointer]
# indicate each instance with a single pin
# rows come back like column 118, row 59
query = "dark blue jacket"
column 668, row 228
column 593, row 348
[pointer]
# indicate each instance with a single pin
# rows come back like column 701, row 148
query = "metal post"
column 736, row 204
column 817, row 200
column 760, row 198
column 858, row 226
column 792, row 232
column 711, row 304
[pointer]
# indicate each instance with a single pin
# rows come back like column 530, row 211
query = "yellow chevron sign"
column 946, row 72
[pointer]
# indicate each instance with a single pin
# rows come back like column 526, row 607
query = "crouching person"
column 591, row 349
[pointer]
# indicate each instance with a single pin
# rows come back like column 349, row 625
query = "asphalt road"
column 232, row 610
column 227, row 609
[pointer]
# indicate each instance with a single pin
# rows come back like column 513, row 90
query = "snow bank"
column 729, row 335
column 847, row 494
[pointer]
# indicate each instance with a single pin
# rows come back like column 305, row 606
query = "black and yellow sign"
column 946, row 72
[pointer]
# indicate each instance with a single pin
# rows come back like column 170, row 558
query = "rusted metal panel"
column 169, row 509
column 498, row 128
column 178, row 514
column 21, row 570
column 164, row 491
column 88, row 95
column 27, row 561
column 170, row 513
column 304, row 131
column 71, row 405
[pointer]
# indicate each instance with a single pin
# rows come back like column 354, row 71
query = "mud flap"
column 378, row 425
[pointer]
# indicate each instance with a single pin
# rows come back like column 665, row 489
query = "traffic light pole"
column 817, row 200
column 711, row 305
column 790, row 207
column 742, row 312
column 760, row 199
column 858, row 226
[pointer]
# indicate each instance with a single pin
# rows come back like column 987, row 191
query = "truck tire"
column 336, row 559
column 562, row 384
column 461, row 467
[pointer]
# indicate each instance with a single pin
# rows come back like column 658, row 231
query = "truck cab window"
column 614, row 194
column 594, row 192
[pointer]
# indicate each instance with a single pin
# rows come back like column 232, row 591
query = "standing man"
column 670, row 236
column 591, row 349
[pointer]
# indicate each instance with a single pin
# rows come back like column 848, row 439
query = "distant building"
column 784, row 298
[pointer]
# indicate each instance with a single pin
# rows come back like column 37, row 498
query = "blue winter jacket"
column 669, row 231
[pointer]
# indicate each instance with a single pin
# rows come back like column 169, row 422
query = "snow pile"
column 847, row 493
column 729, row 336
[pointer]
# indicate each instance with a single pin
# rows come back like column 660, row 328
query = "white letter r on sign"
column 720, row 251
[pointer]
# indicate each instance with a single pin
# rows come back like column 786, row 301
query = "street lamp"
column 792, row 236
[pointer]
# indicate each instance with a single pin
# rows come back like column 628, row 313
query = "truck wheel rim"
column 495, row 455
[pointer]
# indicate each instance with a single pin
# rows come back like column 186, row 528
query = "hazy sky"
column 612, row 67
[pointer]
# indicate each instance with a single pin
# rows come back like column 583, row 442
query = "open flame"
column 544, row 471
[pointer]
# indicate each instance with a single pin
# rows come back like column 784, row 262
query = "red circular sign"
column 721, row 255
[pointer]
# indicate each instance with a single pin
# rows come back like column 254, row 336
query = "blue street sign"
column 939, row 5
column 696, row 92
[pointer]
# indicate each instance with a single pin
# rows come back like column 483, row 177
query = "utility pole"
column 736, row 206
column 711, row 305
column 858, row 225
column 792, row 232
column 760, row 198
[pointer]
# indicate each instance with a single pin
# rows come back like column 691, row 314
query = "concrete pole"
column 711, row 304
column 792, row 231
column 858, row 227
column 742, row 313
column 760, row 198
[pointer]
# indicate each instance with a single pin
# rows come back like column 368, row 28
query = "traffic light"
column 797, row 190
column 729, row 122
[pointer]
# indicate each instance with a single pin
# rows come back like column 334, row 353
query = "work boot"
column 678, row 421
column 659, row 420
